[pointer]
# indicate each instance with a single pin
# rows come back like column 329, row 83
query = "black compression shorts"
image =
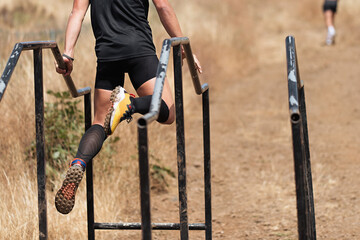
column 112, row 74
column 330, row 5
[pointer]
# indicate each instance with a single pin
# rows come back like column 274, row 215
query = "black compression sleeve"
column 142, row 106
column 91, row 143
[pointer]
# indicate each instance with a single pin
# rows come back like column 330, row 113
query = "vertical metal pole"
column 144, row 182
column 180, row 137
column 310, row 209
column 299, row 179
column 207, row 164
column 40, row 143
column 296, row 128
column 89, row 173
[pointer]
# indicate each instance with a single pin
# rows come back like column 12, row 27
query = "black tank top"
column 121, row 29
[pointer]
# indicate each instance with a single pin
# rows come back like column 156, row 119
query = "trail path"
column 253, row 185
column 253, row 180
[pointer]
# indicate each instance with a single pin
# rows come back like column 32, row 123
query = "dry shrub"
column 19, row 195
column 22, row 15
column 33, row 14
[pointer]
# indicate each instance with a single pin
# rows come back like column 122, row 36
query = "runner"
column 123, row 45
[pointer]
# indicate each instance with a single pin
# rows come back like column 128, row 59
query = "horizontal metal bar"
column 159, row 84
column 155, row 226
column 38, row 44
column 179, row 40
column 22, row 46
column 193, row 71
column 191, row 62
column 293, row 79
column 204, row 87
column 83, row 91
column 69, row 82
column 294, row 115
column 161, row 74
column 9, row 68
column 59, row 60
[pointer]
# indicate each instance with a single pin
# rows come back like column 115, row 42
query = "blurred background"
column 235, row 40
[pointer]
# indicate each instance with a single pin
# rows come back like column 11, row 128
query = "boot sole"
column 65, row 197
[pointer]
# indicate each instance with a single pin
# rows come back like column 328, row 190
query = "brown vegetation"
column 241, row 46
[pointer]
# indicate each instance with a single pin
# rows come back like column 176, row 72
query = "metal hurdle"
column 300, row 140
column 146, row 225
column 37, row 48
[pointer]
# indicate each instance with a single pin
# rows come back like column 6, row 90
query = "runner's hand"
column 68, row 65
column 197, row 62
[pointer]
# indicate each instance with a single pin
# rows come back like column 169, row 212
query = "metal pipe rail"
column 154, row 226
column 161, row 73
column 38, row 45
column 301, row 151
column 146, row 225
column 39, row 111
column 176, row 43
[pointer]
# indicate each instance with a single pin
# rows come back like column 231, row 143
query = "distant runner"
column 329, row 8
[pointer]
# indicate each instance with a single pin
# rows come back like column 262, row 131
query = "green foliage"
column 158, row 174
column 63, row 128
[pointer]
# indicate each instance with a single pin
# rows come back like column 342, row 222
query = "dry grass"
column 116, row 182
column 225, row 38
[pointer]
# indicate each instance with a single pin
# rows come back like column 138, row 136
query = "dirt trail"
column 253, row 180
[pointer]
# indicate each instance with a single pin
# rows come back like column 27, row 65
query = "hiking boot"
column 65, row 197
column 121, row 109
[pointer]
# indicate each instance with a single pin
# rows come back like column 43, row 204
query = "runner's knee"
column 166, row 114
column 171, row 116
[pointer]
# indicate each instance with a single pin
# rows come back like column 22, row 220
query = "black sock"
column 142, row 106
column 91, row 143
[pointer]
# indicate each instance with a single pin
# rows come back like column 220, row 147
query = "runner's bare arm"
column 168, row 18
column 72, row 32
column 170, row 22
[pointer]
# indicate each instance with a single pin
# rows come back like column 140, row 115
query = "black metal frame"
column 301, row 151
column 146, row 225
column 39, row 112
